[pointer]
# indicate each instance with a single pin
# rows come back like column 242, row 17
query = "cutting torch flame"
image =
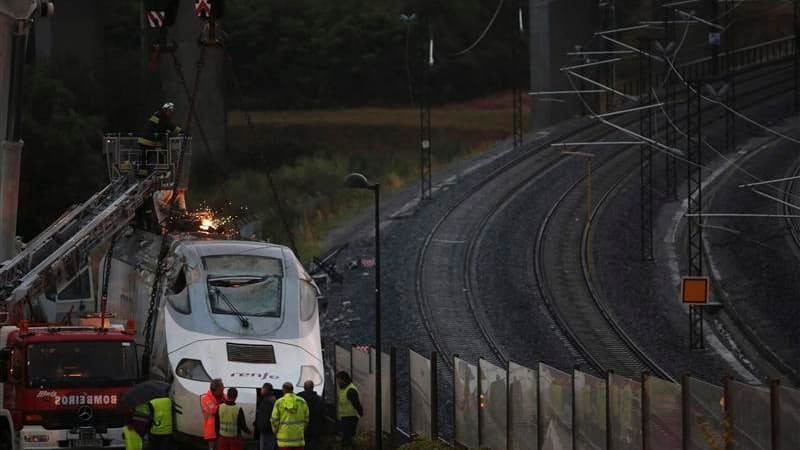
column 208, row 220
column 207, row 224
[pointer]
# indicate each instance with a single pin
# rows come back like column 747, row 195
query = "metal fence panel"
column 365, row 382
column 789, row 417
column 750, row 409
column 342, row 363
column 663, row 415
column 494, row 405
column 386, row 393
column 590, row 412
column 419, row 371
column 625, row 413
column 703, row 415
column 466, row 393
column 522, row 407
column 555, row 409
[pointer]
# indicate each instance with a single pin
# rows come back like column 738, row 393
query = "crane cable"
column 270, row 179
column 152, row 312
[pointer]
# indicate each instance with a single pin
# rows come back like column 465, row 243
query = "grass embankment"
column 310, row 152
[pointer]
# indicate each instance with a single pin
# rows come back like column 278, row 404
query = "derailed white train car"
column 245, row 312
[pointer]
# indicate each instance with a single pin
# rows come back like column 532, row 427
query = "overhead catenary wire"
column 729, row 109
column 674, row 152
column 669, row 61
column 673, row 69
column 268, row 170
column 704, row 214
column 483, row 34
column 161, row 265
column 705, row 142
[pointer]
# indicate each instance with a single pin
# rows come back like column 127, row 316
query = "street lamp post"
column 359, row 181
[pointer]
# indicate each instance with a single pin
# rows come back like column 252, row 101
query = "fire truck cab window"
column 65, row 364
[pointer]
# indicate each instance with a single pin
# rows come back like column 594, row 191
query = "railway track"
column 579, row 308
column 789, row 197
column 454, row 318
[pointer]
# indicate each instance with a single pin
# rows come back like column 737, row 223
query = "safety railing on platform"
column 124, row 156
column 731, row 62
column 517, row 407
column 740, row 58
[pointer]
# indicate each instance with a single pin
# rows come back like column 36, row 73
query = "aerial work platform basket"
column 125, row 157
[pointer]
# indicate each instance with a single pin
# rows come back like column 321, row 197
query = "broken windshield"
column 244, row 285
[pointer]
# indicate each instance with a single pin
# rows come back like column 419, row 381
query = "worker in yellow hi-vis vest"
column 289, row 420
column 161, row 429
column 139, row 422
column 132, row 439
column 229, row 423
column 349, row 408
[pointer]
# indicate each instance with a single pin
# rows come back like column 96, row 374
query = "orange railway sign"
column 694, row 290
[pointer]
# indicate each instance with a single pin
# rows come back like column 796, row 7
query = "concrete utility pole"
column 425, row 134
column 518, row 66
column 554, row 27
column 16, row 18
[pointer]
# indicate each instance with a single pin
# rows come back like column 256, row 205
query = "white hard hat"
column 169, row 106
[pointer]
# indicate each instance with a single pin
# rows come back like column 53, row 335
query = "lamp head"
column 357, row 181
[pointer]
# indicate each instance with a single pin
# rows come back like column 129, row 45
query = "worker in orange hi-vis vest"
column 209, row 403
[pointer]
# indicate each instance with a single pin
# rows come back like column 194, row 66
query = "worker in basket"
column 158, row 128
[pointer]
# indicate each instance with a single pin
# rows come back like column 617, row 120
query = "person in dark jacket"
column 229, row 423
column 266, row 439
column 158, row 127
column 314, row 402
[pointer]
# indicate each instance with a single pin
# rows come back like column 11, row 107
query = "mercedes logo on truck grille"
column 85, row 413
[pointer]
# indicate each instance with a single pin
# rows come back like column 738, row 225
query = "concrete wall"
column 556, row 27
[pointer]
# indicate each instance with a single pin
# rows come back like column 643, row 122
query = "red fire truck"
column 60, row 385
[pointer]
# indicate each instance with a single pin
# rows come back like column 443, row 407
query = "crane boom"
column 52, row 259
column 95, row 222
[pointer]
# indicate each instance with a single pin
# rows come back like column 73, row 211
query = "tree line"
column 311, row 54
